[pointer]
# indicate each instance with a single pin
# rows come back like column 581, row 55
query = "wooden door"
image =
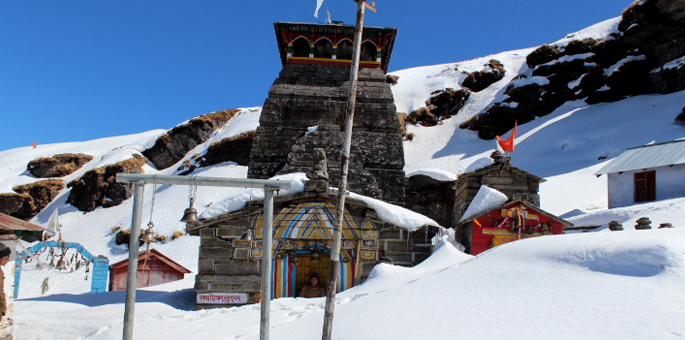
column 307, row 266
column 645, row 186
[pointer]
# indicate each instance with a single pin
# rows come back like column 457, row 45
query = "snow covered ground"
column 615, row 285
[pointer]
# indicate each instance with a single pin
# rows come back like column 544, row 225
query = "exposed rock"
column 478, row 81
column 657, row 26
column 442, row 104
column 58, row 165
column 30, row 198
column 14, row 204
column 233, row 149
column 681, row 116
column 422, row 116
column 669, row 79
column 41, row 193
column 644, row 57
column 99, row 188
column 175, row 144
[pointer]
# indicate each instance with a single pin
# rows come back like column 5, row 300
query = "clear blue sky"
column 80, row 70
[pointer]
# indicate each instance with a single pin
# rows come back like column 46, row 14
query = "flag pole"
column 334, row 270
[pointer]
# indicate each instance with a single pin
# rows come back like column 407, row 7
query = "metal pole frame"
column 139, row 180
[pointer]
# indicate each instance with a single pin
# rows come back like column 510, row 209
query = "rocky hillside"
column 644, row 54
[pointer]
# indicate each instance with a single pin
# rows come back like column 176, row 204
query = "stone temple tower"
column 306, row 109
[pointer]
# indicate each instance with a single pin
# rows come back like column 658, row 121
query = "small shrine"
column 508, row 222
column 501, row 176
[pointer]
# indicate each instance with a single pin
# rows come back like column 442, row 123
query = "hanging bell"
column 190, row 214
column 61, row 265
column 315, row 256
column 148, row 236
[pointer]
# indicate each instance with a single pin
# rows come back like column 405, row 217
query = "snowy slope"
column 583, row 286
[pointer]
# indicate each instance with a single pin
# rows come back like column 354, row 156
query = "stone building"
column 307, row 104
column 301, row 126
column 501, row 176
column 231, row 244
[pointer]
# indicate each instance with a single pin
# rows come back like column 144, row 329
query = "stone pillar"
column 643, row 223
column 615, row 226
column 100, row 272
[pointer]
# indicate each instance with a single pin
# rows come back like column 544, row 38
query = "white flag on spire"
column 318, row 5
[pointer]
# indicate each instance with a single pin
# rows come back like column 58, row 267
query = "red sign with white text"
column 222, row 298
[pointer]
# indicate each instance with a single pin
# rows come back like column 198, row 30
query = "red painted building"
column 509, row 222
column 154, row 268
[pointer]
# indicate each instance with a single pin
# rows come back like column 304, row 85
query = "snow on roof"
column 436, row 174
column 237, row 201
column 394, row 214
column 478, row 164
column 486, row 199
column 647, row 157
column 389, row 213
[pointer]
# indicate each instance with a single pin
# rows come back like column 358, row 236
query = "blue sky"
column 80, row 70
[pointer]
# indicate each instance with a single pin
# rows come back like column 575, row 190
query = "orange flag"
column 34, row 145
column 508, row 145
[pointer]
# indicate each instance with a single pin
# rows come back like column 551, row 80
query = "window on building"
column 323, row 49
column 368, row 52
column 301, row 47
column 645, row 186
column 345, row 50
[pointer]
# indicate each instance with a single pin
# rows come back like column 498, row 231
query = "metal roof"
column 8, row 222
column 647, row 157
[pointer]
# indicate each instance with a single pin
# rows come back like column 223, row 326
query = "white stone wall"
column 670, row 183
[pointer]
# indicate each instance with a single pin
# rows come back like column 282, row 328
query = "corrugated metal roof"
column 647, row 157
column 12, row 223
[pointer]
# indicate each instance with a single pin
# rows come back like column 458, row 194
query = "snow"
column 436, row 174
column 396, row 215
column 599, row 31
column 576, row 286
column 568, row 58
column 675, row 63
column 486, row 199
column 238, row 200
column 613, row 68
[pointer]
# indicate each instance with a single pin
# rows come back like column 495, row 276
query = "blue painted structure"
column 100, row 264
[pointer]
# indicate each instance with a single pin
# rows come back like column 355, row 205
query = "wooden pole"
column 334, row 274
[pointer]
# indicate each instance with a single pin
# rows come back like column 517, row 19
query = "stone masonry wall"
column 316, row 95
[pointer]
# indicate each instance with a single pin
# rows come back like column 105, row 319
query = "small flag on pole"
column 508, row 145
column 318, row 5
column 53, row 223
column 34, row 145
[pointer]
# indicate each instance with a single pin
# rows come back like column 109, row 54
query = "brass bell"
column 148, row 236
column 190, row 214
column 61, row 265
column 315, row 256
